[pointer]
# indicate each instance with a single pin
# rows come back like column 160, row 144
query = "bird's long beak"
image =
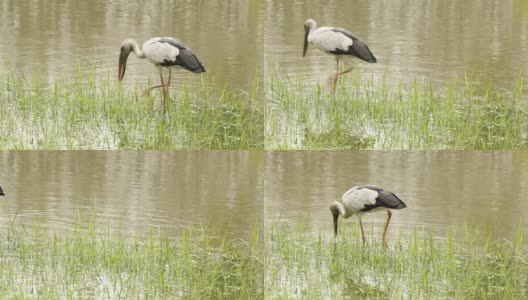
column 336, row 216
column 306, row 32
column 122, row 63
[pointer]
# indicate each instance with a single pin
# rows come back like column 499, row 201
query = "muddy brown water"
column 430, row 40
column 443, row 190
column 231, row 191
column 51, row 37
column 139, row 190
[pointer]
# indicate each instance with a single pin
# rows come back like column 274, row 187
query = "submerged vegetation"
column 461, row 266
column 97, row 262
column 462, row 115
column 86, row 112
column 102, row 262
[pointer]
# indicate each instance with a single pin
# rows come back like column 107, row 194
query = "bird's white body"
column 355, row 199
column 327, row 40
column 157, row 52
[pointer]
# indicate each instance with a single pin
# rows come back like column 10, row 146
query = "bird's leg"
column 362, row 231
column 389, row 215
column 147, row 90
column 337, row 74
column 346, row 70
column 163, row 90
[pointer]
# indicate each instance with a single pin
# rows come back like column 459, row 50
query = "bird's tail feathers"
column 400, row 205
column 199, row 69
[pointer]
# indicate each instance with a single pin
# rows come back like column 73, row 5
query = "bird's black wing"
column 186, row 59
column 390, row 200
column 358, row 48
column 384, row 199
column 1, row 192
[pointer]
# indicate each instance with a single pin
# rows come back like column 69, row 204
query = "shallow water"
column 139, row 190
column 53, row 36
column 431, row 40
column 443, row 190
column 225, row 189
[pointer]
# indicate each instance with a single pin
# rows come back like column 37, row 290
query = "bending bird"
column 338, row 42
column 365, row 199
column 162, row 52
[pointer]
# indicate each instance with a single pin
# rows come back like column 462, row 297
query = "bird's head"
column 308, row 25
column 335, row 208
column 126, row 47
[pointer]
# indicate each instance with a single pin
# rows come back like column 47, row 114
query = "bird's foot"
column 347, row 70
column 332, row 83
column 147, row 90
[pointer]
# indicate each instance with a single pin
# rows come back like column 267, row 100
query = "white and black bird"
column 163, row 52
column 365, row 199
column 338, row 42
column 1, row 192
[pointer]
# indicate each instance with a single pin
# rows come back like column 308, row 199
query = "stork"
column 1, row 192
column 163, row 52
column 338, row 42
column 362, row 199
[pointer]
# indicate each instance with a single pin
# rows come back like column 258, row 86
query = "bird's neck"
column 339, row 206
column 310, row 33
column 309, row 36
column 137, row 51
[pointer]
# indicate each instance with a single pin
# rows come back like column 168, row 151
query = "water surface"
column 442, row 189
column 54, row 36
column 139, row 190
column 431, row 40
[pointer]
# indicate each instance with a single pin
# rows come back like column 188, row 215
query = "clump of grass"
column 377, row 116
column 86, row 112
column 461, row 266
column 93, row 262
